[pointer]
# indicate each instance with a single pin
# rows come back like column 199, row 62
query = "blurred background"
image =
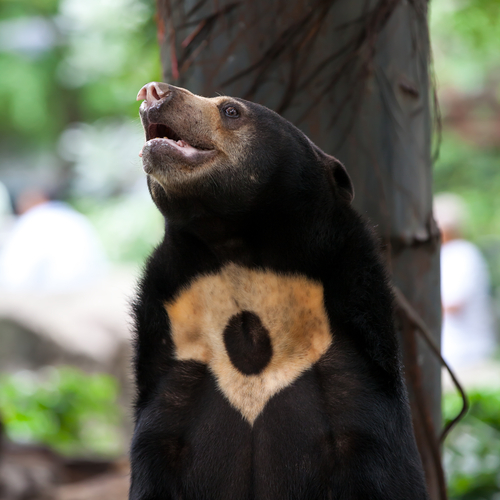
column 76, row 223
column 73, row 196
column 465, row 35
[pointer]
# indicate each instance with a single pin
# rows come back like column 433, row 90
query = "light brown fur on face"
column 290, row 307
column 200, row 122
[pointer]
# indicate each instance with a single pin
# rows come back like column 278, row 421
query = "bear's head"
column 225, row 155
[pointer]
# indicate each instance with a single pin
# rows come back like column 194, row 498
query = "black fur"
column 342, row 430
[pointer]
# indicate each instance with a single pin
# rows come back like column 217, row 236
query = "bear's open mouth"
column 163, row 133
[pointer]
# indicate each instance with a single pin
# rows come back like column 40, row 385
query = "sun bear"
column 266, row 358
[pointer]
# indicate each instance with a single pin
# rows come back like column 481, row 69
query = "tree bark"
column 354, row 76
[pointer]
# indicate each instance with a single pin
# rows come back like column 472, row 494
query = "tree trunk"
column 353, row 75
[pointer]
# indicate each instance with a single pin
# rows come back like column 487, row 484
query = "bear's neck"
column 259, row 238
column 222, row 237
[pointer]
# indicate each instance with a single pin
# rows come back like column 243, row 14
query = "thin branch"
column 420, row 325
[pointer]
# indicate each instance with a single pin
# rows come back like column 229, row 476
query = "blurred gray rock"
column 90, row 329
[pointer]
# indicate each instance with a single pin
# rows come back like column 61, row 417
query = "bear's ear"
column 339, row 179
column 158, row 195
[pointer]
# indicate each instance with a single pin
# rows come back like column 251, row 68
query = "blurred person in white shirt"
column 51, row 249
column 6, row 215
column 468, row 335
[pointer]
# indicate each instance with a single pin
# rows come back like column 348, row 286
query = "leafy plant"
column 472, row 450
column 64, row 408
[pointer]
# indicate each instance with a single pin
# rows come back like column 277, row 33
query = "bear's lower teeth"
column 180, row 142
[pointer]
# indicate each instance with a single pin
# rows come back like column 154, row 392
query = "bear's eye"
column 232, row 112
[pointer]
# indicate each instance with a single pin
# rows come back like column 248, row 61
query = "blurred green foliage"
column 478, row 21
column 88, row 61
column 64, row 408
column 474, row 173
column 472, row 450
column 464, row 36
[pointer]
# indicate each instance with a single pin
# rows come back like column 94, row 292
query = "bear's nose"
column 153, row 92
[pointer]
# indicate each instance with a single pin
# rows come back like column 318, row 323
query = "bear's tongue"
column 179, row 144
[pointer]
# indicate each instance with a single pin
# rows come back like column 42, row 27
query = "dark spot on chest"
column 248, row 343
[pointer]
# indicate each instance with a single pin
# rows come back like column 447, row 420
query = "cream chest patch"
column 256, row 330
